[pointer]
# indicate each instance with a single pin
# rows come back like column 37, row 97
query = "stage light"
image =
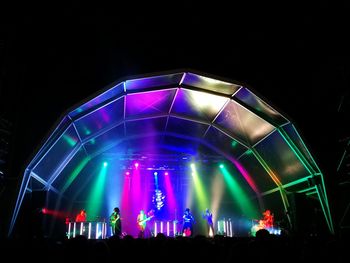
column 193, row 166
column 105, row 164
column 166, row 173
column 44, row 210
column 221, row 166
column 127, row 173
column 155, row 173
column 136, row 165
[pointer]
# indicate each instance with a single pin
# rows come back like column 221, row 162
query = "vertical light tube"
column 227, row 229
column 155, row 228
column 89, row 230
column 161, row 226
column 96, row 230
column 74, row 229
column 69, row 227
column 219, row 227
column 174, row 226
column 231, row 229
column 81, row 228
column 167, row 228
column 105, row 230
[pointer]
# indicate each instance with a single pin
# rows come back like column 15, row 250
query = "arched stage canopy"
column 186, row 115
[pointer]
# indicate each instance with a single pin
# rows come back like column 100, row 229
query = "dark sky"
column 295, row 56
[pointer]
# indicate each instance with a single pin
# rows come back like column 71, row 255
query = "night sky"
column 294, row 56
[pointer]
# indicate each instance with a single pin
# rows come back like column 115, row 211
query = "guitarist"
column 115, row 222
column 142, row 223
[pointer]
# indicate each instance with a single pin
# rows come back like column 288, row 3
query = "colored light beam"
column 136, row 199
column 201, row 194
column 217, row 191
column 54, row 213
column 146, row 193
column 136, row 191
column 95, row 199
column 75, row 173
column 199, row 189
column 70, row 140
column 114, row 183
column 169, row 192
column 189, row 194
column 238, row 194
column 246, row 176
column 126, row 202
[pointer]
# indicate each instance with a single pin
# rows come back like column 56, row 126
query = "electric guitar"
column 114, row 219
column 142, row 223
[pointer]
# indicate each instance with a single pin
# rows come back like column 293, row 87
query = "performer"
column 115, row 222
column 142, row 223
column 268, row 219
column 81, row 217
column 266, row 222
column 188, row 221
column 209, row 217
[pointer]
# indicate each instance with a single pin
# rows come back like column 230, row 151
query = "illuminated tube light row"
column 160, row 225
column 99, row 233
column 225, row 227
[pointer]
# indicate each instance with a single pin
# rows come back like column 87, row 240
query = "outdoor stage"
column 164, row 143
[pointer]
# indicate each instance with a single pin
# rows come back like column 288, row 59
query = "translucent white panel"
column 100, row 119
column 63, row 125
column 199, row 105
column 240, row 122
column 186, row 127
column 257, row 172
column 57, row 154
column 98, row 101
column 35, row 185
column 72, row 170
column 260, row 107
column 281, row 159
column 149, row 103
column 243, row 179
column 105, row 140
column 152, row 82
column 210, row 84
column 82, row 181
column 294, row 136
column 224, row 142
column 147, row 126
